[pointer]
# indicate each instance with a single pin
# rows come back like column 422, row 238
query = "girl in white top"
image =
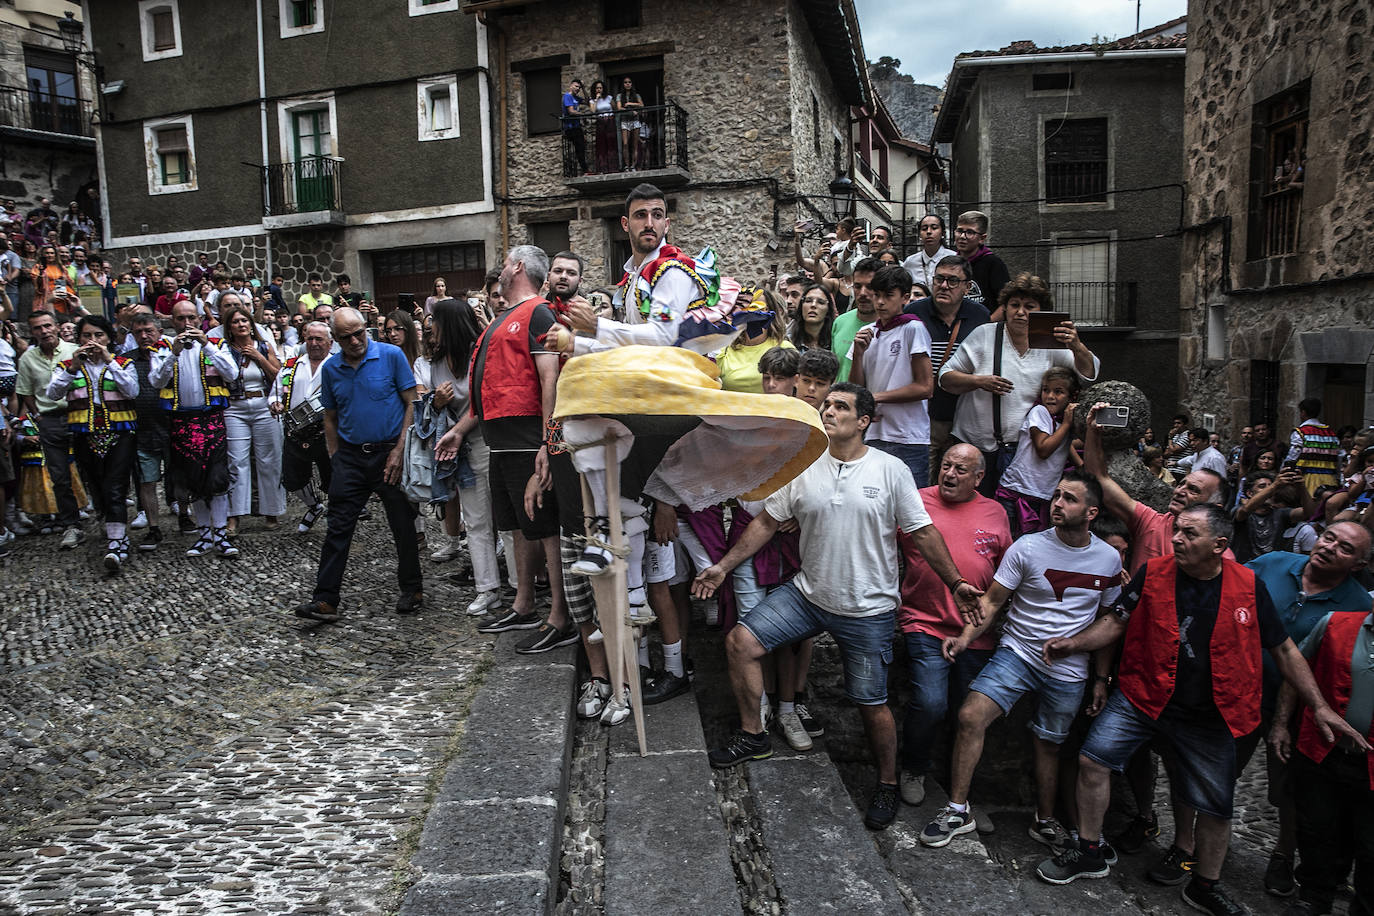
column 1042, row 450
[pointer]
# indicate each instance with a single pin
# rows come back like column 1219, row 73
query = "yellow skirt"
column 36, row 494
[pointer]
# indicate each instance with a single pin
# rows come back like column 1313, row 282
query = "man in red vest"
column 1195, row 625
column 1334, row 784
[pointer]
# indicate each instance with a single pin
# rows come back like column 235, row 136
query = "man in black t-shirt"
column 1187, row 662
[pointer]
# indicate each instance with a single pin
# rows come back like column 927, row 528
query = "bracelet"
column 957, row 582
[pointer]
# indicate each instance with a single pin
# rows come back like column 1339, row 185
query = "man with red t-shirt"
column 976, row 532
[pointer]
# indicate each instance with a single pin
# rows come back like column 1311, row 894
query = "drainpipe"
column 499, row 147
column 262, row 111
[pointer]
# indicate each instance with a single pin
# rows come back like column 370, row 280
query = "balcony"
column 1097, row 304
column 302, row 194
column 41, row 116
column 659, row 155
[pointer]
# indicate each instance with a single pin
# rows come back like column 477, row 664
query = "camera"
column 1116, row 417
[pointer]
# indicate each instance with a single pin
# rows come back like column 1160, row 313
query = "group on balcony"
column 622, row 126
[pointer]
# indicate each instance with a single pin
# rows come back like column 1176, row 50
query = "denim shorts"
column 1006, row 678
column 1203, row 754
column 785, row 617
column 149, row 467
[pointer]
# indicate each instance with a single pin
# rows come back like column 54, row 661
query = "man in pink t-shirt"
column 976, row 532
column 1151, row 532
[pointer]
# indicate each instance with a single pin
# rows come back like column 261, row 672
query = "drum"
column 305, row 421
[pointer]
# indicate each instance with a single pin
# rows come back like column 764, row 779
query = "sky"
column 925, row 35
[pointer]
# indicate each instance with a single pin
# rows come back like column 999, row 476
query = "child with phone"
column 1042, row 452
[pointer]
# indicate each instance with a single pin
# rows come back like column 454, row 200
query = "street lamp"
column 74, row 41
column 842, row 196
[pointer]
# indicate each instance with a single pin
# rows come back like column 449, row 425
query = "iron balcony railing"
column 31, row 109
column 640, row 139
column 1096, row 303
column 306, row 186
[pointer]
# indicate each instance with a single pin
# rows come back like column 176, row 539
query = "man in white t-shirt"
column 891, row 358
column 1203, row 455
column 849, row 506
column 1058, row 581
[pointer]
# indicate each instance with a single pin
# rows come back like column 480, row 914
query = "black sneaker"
column 151, row 540
column 317, row 610
column 742, row 746
column 508, row 620
column 882, row 809
column 187, row 525
column 663, row 686
column 1074, row 862
column 1212, row 899
column 1175, row 868
column 1278, row 877
column 813, row 726
column 548, row 637
column 1108, row 852
column 410, row 602
column 1137, row 833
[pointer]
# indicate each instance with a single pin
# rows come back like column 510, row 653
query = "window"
column 620, row 14
column 1216, row 332
column 301, row 17
column 53, row 93
column 1052, row 82
column 551, row 237
column 171, row 160
column 310, row 172
column 424, row 7
column 1264, row 391
column 543, row 100
column 160, row 24
column 437, row 104
column 1080, row 278
column 1076, row 161
column 1278, row 150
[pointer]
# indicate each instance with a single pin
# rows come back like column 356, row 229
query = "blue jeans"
column 932, row 694
column 785, row 617
column 916, row 457
column 1007, row 677
column 748, row 592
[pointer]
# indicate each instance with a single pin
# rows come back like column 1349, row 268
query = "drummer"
column 296, row 395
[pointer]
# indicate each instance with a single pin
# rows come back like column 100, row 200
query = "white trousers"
column 254, row 433
column 476, row 505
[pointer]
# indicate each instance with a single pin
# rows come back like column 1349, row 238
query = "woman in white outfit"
column 253, row 432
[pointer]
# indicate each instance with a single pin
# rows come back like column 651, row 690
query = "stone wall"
column 30, row 171
column 1240, row 54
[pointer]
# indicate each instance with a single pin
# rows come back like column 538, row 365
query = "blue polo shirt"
column 1281, row 573
column 368, row 398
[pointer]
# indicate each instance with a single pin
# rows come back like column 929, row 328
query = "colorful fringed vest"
column 1320, row 450
column 211, row 382
column 95, row 405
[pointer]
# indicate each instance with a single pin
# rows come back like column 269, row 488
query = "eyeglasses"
column 967, row 233
column 943, row 280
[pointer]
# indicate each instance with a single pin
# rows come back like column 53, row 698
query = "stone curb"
column 491, row 841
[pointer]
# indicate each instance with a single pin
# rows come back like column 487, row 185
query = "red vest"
column 509, row 381
column 1331, row 669
column 1149, row 659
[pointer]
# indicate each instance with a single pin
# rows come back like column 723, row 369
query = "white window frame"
column 290, row 31
column 286, row 110
column 448, row 6
column 154, row 164
column 145, row 28
column 424, row 91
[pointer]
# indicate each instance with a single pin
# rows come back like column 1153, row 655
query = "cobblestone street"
column 175, row 741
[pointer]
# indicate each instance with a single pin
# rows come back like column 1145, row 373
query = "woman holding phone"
column 996, row 374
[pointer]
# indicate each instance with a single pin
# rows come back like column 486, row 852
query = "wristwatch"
column 1108, row 678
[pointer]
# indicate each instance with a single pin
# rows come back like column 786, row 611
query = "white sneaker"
column 140, row 521
column 793, row 731
column 617, row 710
column 592, row 699
column 446, row 551
column 913, row 788
column 484, row 602
column 73, row 536
column 596, row 637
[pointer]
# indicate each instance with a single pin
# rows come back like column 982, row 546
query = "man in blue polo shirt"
column 368, row 395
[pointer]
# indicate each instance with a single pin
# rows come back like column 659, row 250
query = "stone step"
column 824, row 859
column 666, row 847
column 491, row 840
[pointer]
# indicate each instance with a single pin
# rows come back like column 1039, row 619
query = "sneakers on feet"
column 1212, row 899
column 71, row 537
column 913, row 787
column 1278, row 877
column 1051, row 833
column 410, row 602
column 140, row 521
column 151, row 540
column 813, row 726
column 112, row 561
column 1076, row 861
column 311, row 516
column 617, row 709
column 317, row 610
column 742, row 746
column 186, row 524
column 947, row 825
column 592, row 698
column 663, row 686
column 795, row 734
column 203, row 545
column 484, row 602
column 1137, row 833
column 446, row 551
column 546, row 638
column 508, row 620
column 882, row 808
column 1108, row 851
column 1175, row 868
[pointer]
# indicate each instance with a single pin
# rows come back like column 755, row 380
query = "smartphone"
column 1114, row 416
column 868, row 231
column 1042, row 325
column 806, row 225
column 405, row 301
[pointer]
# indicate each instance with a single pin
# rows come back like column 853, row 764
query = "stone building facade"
column 762, row 100
column 1277, row 300
column 47, row 141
